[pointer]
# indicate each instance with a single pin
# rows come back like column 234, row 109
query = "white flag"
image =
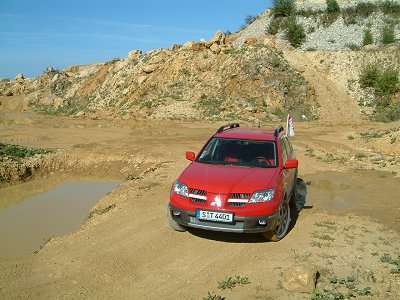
column 289, row 126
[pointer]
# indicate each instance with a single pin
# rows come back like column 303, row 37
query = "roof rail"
column 278, row 130
column 228, row 126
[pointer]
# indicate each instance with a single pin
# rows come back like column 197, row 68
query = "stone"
column 149, row 68
column 176, row 47
column 20, row 76
column 141, row 79
column 80, row 114
column 215, row 48
column 194, row 46
column 219, row 38
column 134, row 54
column 251, row 41
column 301, row 279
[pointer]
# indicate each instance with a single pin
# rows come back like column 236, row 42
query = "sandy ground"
column 130, row 253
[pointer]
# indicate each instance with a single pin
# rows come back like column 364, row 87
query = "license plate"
column 214, row 216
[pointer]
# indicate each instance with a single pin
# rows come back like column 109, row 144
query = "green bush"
column 365, row 9
column 388, row 113
column 274, row 26
column 295, row 32
column 388, row 35
column 387, row 83
column 283, row 8
column 332, row 6
column 16, row 151
column 369, row 76
column 390, row 7
column 368, row 38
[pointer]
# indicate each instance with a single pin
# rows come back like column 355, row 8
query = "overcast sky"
column 36, row 34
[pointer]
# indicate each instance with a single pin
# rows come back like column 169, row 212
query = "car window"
column 239, row 152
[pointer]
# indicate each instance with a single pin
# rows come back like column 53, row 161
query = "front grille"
column 197, row 195
column 240, row 197
column 197, row 192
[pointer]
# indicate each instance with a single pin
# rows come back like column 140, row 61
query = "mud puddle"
column 368, row 193
column 26, row 225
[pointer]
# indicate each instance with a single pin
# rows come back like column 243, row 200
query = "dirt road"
column 130, row 253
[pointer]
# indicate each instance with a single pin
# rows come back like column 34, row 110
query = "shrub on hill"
column 295, row 32
column 368, row 38
column 388, row 36
column 332, row 6
column 283, row 8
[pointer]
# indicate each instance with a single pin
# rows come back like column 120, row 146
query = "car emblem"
column 217, row 201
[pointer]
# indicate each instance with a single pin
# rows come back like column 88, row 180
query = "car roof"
column 247, row 133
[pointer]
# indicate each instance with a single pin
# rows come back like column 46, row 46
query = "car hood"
column 227, row 178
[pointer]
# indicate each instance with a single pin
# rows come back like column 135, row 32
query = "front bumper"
column 240, row 224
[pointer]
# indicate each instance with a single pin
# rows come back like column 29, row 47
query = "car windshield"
column 249, row 153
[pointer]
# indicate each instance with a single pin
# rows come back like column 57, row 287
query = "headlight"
column 181, row 189
column 262, row 196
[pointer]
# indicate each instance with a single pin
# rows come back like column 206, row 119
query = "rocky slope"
column 254, row 74
column 198, row 80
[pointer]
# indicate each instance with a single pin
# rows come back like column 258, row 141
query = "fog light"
column 176, row 213
column 262, row 222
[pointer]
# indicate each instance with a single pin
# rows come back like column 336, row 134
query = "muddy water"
column 369, row 193
column 28, row 224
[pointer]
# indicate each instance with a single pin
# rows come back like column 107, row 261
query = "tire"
column 173, row 224
column 283, row 226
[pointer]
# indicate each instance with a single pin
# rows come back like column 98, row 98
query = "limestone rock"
column 250, row 41
column 219, row 38
column 134, row 54
column 301, row 279
column 141, row 79
column 20, row 76
column 176, row 47
column 188, row 45
column 215, row 48
column 149, row 68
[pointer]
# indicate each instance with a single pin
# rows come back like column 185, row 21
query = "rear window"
column 249, row 153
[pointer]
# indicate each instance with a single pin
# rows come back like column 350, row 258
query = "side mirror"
column 190, row 156
column 291, row 164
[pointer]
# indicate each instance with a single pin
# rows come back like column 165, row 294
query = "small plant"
column 295, row 32
column 388, row 36
column 250, row 19
column 274, row 26
column 332, row 6
column 368, row 39
column 353, row 46
column 388, row 259
column 369, row 76
column 390, row 7
column 283, row 8
column 211, row 296
column 16, row 151
column 231, row 282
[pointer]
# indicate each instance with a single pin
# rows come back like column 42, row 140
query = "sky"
column 35, row 34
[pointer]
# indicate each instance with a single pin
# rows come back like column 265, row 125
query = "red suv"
column 243, row 180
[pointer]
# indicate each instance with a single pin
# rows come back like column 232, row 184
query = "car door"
column 292, row 173
column 285, row 173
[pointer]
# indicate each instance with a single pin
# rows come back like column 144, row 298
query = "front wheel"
column 283, row 224
column 173, row 224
